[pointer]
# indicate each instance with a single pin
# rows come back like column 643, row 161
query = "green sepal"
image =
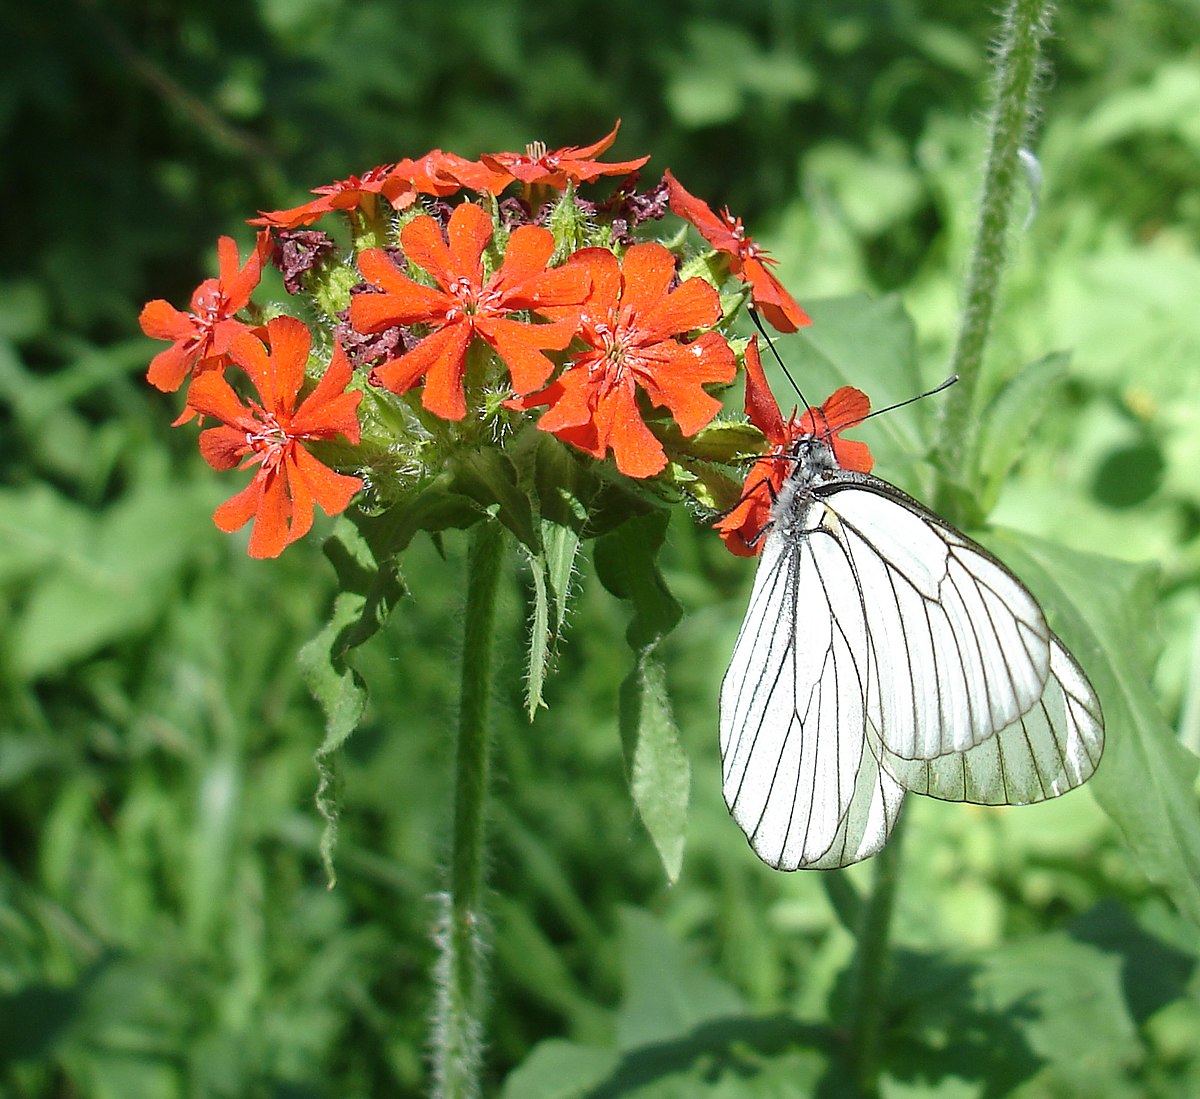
column 330, row 285
column 711, row 266
column 724, row 441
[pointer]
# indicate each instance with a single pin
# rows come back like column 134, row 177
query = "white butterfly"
column 885, row 652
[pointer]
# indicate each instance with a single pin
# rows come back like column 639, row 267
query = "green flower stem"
column 1018, row 64
column 871, row 969
column 458, row 1028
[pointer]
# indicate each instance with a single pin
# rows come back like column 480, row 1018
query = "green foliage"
column 165, row 926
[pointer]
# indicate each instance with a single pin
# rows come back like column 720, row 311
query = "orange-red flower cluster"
column 474, row 301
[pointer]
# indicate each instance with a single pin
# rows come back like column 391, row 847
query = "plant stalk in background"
column 1018, row 65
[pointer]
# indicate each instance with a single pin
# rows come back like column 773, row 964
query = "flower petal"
column 695, row 304
column 160, row 320
column 223, row 447
column 414, row 304
column 328, row 410
column 238, row 510
column 211, row 395
column 646, row 271
column 446, row 347
column 712, row 227
column 520, row 345
column 290, row 342
column 237, row 286
column 619, row 425
column 331, row 490
column 443, row 394
column 741, row 530
column 248, row 352
column 846, row 407
column 680, row 371
column 270, row 534
column 761, row 406
column 782, row 311
column 170, row 366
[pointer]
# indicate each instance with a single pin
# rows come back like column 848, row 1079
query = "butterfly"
column 883, row 653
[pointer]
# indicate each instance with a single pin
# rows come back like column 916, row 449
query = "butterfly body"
column 885, row 652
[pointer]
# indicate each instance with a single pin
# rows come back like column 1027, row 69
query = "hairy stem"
column 1018, row 65
column 458, row 1025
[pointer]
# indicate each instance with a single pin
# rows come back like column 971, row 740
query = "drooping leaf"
column 557, row 1069
column 368, row 588
column 659, row 773
column 667, row 994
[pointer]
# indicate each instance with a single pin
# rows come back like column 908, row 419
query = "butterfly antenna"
column 919, row 397
column 774, row 352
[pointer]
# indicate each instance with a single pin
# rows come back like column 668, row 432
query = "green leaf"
column 659, row 773
column 1145, row 780
column 557, row 1069
column 667, row 992
column 1009, row 419
column 864, row 342
column 1047, row 1007
column 92, row 578
column 368, row 588
column 488, row 476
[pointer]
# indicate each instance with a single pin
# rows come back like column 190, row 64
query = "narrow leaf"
column 539, row 635
column 551, row 570
column 1008, row 420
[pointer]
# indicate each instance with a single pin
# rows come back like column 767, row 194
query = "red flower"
column 441, row 174
column 345, row 194
column 742, row 527
column 199, row 339
column 554, row 168
column 289, row 481
column 747, row 260
column 463, row 305
column 630, row 324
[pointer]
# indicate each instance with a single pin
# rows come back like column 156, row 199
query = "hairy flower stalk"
column 458, row 1025
column 1018, row 68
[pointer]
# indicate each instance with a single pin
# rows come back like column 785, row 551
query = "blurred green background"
column 165, row 930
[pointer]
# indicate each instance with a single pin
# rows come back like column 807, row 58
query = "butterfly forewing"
column 945, row 616
column 793, row 706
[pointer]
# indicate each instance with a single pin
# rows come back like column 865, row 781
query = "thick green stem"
column 871, row 968
column 458, row 1026
column 1018, row 64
